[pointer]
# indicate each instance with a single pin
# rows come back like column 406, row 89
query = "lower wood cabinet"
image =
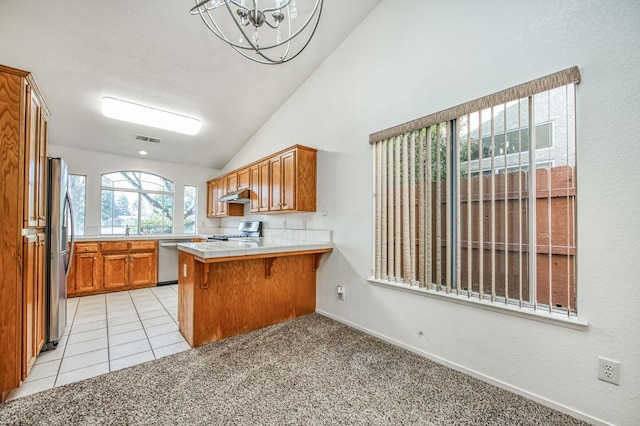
column 34, row 259
column 101, row 267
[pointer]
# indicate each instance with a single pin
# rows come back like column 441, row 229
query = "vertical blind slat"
column 398, row 213
column 390, row 209
column 421, row 211
column 412, row 206
column 492, row 223
column 429, row 196
column 406, row 229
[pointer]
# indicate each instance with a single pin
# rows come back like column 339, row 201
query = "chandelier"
column 268, row 31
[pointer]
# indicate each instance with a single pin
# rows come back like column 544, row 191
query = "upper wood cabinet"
column 35, row 160
column 217, row 188
column 22, row 143
column 292, row 180
column 282, row 182
column 259, row 180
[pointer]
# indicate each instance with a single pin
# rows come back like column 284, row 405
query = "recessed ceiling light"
column 140, row 114
column 142, row 152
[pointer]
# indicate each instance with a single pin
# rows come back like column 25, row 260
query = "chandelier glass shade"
column 267, row 31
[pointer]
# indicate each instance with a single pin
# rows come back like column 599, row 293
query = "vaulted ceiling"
column 155, row 53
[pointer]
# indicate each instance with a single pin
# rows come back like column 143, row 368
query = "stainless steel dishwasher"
column 168, row 261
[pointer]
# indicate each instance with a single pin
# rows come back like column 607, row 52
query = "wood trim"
column 12, row 134
column 268, row 266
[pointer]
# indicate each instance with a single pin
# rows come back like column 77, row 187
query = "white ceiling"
column 155, row 53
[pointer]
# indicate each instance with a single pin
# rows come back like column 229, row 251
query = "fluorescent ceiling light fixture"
column 140, row 114
column 142, row 152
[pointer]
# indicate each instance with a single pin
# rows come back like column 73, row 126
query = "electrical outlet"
column 609, row 371
column 340, row 292
column 284, row 224
column 304, row 223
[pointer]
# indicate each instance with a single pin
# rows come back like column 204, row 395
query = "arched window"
column 136, row 203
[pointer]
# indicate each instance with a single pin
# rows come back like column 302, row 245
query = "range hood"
column 238, row 197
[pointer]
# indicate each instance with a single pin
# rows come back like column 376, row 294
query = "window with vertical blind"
column 479, row 201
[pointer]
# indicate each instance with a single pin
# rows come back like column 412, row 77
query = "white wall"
column 94, row 164
column 411, row 58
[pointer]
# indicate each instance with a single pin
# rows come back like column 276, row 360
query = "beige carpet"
column 311, row 371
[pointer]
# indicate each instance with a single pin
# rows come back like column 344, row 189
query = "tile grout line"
column 65, row 344
column 143, row 327
column 83, row 353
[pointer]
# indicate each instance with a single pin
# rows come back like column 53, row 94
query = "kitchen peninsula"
column 227, row 288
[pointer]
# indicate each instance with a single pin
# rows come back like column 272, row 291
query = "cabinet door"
column 143, row 269
column 254, row 182
column 211, row 200
column 41, row 263
column 288, row 182
column 275, row 181
column 41, row 176
column 30, row 159
column 28, row 303
column 243, row 178
column 86, row 273
column 263, row 179
column 231, row 182
column 221, row 206
column 115, row 270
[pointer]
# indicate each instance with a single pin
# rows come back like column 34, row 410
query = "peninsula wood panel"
column 223, row 299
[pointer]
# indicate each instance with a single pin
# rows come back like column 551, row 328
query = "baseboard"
column 167, row 283
column 480, row 376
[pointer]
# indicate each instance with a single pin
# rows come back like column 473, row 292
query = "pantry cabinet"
column 22, row 194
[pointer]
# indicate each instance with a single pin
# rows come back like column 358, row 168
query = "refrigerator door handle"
column 67, row 202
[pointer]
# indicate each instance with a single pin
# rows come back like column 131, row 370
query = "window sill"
column 527, row 313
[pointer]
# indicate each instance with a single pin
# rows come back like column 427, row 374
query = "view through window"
column 77, row 191
column 190, row 208
column 136, row 203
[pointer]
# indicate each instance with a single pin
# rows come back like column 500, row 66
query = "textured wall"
column 412, row 58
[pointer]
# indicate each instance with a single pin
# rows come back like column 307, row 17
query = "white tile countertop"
column 247, row 247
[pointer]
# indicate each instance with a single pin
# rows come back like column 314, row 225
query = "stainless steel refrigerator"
column 59, row 247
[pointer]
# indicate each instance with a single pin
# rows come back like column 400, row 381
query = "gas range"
column 249, row 231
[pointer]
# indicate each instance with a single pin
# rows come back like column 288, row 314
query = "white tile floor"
column 106, row 333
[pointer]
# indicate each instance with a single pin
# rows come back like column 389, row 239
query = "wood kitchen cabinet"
column 259, row 178
column 29, row 350
column 22, row 195
column 102, row 267
column 129, row 265
column 84, row 276
column 217, row 188
column 34, row 199
column 237, row 181
column 211, row 199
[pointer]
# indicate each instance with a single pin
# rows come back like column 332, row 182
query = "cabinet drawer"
column 143, row 245
column 114, row 246
column 86, row 247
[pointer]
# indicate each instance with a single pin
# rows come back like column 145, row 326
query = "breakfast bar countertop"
column 250, row 247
